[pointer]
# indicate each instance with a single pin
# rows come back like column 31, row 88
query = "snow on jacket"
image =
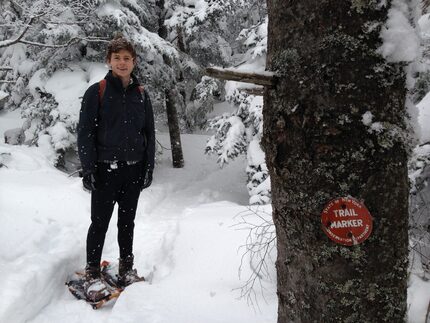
column 120, row 128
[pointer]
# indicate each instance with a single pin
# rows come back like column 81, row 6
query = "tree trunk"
column 318, row 148
column 175, row 134
column 162, row 28
column 180, row 37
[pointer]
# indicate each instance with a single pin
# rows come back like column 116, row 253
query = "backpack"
column 102, row 88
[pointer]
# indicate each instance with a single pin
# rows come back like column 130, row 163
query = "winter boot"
column 95, row 288
column 92, row 272
column 126, row 274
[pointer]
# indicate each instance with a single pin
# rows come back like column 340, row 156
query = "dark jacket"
column 120, row 128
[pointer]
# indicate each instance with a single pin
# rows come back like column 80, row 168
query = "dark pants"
column 120, row 185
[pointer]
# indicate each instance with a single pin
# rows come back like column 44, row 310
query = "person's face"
column 122, row 63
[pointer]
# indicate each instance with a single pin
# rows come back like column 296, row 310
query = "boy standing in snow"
column 116, row 146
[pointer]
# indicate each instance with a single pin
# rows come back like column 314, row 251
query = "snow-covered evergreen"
column 69, row 37
column 85, row 27
column 240, row 131
column 201, row 102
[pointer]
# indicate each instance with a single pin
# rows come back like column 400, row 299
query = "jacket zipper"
column 126, row 122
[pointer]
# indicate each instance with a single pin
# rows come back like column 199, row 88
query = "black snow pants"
column 115, row 184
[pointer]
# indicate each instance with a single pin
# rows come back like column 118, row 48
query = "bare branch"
column 267, row 79
column 258, row 91
column 5, row 81
column 6, row 68
column 260, row 243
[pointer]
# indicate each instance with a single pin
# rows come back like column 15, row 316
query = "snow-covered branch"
column 9, row 42
column 425, row 5
column 17, row 7
column 50, row 19
column 65, row 22
column 71, row 41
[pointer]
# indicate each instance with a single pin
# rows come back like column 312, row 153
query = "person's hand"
column 89, row 181
column 147, row 180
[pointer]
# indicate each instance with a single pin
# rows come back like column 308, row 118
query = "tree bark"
column 162, row 28
column 180, row 38
column 174, row 131
column 318, row 148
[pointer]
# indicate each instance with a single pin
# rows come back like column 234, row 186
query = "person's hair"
column 119, row 43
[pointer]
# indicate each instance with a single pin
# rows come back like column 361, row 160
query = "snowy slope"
column 184, row 241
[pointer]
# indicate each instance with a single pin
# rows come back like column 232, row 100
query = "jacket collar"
column 116, row 81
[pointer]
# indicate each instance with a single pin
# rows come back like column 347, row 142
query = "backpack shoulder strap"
column 142, row 92
column 102, row 88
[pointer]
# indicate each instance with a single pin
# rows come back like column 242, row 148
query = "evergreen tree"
column 70, row 35
column 240, row 132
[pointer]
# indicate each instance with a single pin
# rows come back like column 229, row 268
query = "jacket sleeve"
column 87, row 130
column 149, row 131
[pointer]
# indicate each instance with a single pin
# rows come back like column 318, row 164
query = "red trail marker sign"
column 346, row 221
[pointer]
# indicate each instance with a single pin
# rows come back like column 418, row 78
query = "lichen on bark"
column 318, row 148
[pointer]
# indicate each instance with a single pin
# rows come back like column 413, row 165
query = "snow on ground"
column 184, row 240
column 9, row 120
column 418, row 299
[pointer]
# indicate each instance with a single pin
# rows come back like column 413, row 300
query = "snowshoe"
column 97, row 292
column 96, row 289
column 108, row 272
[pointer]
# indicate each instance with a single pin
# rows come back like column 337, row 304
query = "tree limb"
column 9, row 42
column 65, row 22
column 19, row 39
column 233, row 75
column 17, row 7
column 70, row 42
column 257, row 91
